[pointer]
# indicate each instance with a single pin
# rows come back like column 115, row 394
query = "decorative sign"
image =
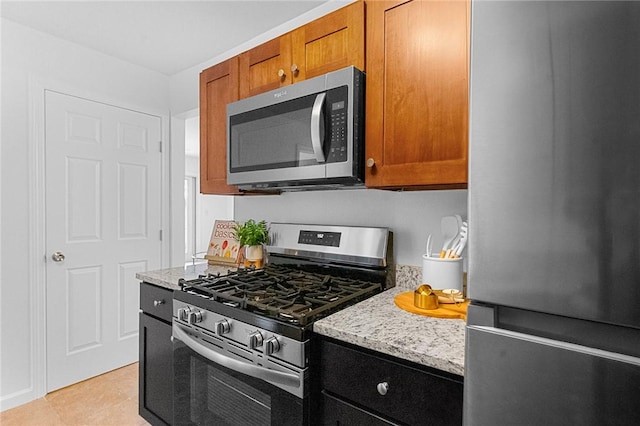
column 223, row 246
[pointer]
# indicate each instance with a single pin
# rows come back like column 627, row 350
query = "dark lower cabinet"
column 155, row 399
column 360, row 386
column 338, row 412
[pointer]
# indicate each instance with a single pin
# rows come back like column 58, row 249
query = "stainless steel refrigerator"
column 553, row 333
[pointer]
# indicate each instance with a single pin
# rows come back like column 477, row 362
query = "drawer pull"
column 158, row 302
column 383, row 388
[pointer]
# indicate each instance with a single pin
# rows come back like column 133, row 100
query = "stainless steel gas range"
column 243, row 342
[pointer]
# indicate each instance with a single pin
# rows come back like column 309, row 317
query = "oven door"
column 209, row 393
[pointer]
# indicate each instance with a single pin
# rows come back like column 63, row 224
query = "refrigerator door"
column 518, row 379
column 554, row 187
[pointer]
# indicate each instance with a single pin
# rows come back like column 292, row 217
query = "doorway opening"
column 201, row 210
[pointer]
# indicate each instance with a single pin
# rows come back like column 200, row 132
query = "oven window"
column 206, row 393
column 217, row 398
column 233, row 402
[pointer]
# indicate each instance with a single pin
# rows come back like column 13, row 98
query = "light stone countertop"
column 375, row 323
column 378, row 324
column 168, row 278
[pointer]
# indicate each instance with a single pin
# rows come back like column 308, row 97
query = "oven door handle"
column 271, row 376
column 317, row 128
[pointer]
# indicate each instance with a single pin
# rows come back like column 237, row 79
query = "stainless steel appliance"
column 243, row 342
column 309, row 135
column 553, row 334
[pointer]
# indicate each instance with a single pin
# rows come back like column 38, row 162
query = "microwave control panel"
column 337, row 106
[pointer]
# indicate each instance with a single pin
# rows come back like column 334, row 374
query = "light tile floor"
column 108, row 399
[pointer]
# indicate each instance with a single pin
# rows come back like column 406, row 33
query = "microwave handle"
column 317, row 127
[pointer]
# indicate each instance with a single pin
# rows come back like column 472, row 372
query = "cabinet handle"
column 383, row 388
column 295, row 70
column 158, row 302
column 371, row 162
column 281, row 74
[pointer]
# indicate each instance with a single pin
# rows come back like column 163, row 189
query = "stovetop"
column 312, row 271
column 284, row 293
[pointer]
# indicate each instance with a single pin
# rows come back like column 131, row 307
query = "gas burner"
column 282, row 292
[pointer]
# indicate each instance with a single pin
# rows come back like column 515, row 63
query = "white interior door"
column 103, row 186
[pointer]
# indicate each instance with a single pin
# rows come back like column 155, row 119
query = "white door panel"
column 103, row 183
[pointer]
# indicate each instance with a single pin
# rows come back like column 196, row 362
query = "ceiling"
column 165, row 36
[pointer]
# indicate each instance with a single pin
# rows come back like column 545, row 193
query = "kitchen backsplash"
column 408, row 276
column 411, row 215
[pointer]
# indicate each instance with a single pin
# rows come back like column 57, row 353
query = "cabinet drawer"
column 337, row 412
column 156, row 301
column 413, row 396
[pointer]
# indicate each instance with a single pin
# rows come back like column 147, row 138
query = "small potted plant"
column 252, row 235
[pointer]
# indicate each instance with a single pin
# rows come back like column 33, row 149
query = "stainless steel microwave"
column 309, row 135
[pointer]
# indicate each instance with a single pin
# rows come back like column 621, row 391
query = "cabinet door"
column 387, row 387
column 266, row 67
column 155, row 399
column 218, row 86
column 417, row 93
column 329, row 43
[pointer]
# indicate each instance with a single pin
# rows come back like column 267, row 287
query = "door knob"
column 57, row 256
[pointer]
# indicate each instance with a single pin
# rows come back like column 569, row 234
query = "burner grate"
column 282, row 292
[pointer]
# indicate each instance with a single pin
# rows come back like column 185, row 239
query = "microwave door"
column 279, row 142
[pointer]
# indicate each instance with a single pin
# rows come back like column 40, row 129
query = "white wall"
column 410, row 215
column 28, row 53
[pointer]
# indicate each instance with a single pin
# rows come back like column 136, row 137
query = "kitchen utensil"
column 460, row 222
column 425, row 298
column 429, row 246
column 450, row 229
column 462, row 242
column 449, row 295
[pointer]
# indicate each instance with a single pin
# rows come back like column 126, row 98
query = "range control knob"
column 271, row 346
column 183, row 313
column 255, row 340
column 195, row 316
column 222, row 327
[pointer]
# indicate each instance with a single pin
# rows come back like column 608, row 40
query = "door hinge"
column 160, row 146
column 161, row 235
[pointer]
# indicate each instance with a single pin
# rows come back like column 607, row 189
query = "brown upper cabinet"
column 327, row 44
column 417, row 94
column 218, row 86
column 417, row 88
